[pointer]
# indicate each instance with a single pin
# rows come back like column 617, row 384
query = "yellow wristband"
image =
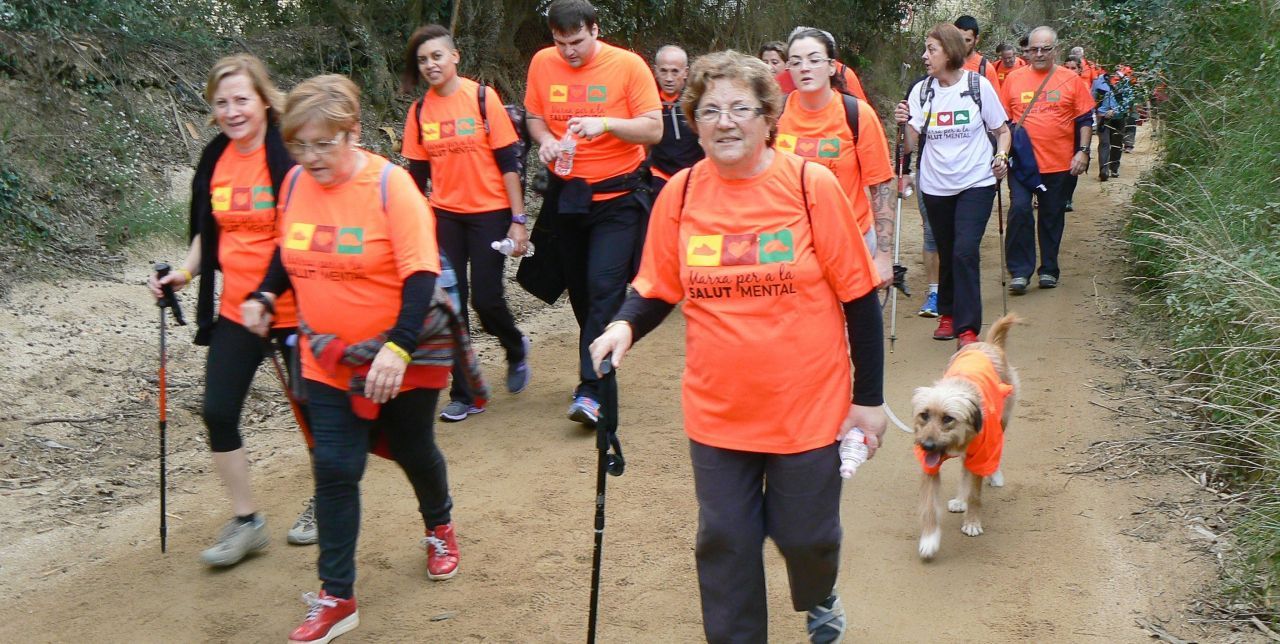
column 605, row 121
column 395, row 348
column 186, row 273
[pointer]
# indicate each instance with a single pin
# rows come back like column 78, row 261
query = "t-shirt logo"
column 446, row 129
column 431, row 131
column 264, row 197
column 299, row 237
column 351, row 241
column 1026, row 97
column 1053, row 96
column 579, row 94
column 323, row 239
column 786, row 143
column 597, row 94
column 945, row 119
column 740, row 250
column 829, row 148
column 221, row 198
column 466, row 126
column 559, row 94
column 241, row 199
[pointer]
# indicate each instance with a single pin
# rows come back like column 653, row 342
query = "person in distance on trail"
column 958, row 172
column 774, row 54
column 379, row 335
column 679, row 147
column 476, row 194
column 1073, row 63
column 1111, row 121
column 816, row 124
column 1088, row 70
column 973, row 60
column 756, row 242
column 1059, row 124
column 233, row 227
column 606, row 98
column 1009, row 61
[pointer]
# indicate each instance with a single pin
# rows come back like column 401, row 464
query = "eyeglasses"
column 1040, row 50
column 737, row 113
column 321, row 148
column 806, row 63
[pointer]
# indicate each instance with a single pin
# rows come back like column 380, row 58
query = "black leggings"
column 465, row 240
column 234, row 356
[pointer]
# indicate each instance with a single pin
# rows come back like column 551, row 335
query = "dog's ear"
column 975, row 415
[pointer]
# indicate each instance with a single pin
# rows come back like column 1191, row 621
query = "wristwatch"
column 520, row 219
column 1084, row 149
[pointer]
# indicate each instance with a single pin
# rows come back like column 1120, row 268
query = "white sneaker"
column 236, row 540
column 304, row 532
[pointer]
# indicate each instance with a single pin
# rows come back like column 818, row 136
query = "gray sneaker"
column 518, row 373
column 1048, row 281
column 825, row 622
column 457, row 410
column 303, row 532
column 236, row 540
column 1018, row 285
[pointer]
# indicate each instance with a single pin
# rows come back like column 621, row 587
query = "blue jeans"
column 1024, row 229
column 959, row 221
column 342, row 444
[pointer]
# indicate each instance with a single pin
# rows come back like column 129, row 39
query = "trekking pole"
column 167, row 301
column 899, row 271
column 288, row 392
column 612, row 464
column 1004, row 290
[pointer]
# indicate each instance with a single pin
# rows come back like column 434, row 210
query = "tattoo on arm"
column 881, row 197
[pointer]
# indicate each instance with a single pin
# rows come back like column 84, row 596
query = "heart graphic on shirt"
column 578, row 93
column 807, row 147
column 945, row 118
column 241, row 198
column 446, row 129
column 740, row 250
column 322, row 239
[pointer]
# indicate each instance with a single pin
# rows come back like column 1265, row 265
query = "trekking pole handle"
column 169, row 299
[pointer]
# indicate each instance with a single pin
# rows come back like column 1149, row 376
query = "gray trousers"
column 744, row 497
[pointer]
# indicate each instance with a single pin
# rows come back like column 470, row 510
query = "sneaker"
column 1069, row 207
column 585, row 410
column 1018, row 285
column 930, row 308
column 946, row 329
column 327, row 618
column 303, row 532
column 825, row 622
column 441, row 545
column 1102, row 176
column 237, row 539
column 518, row 373
column 457, row 410
column 966, row 338
column 1048, row 281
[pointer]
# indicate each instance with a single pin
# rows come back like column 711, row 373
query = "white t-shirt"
column 957, row 155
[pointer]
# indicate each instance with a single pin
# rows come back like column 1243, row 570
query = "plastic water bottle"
column 568, row 147
column 853, row 452
column 508, row 246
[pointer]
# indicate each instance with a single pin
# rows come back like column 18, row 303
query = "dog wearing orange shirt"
column 964, row 415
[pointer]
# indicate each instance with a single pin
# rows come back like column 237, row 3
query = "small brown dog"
column 964, row 414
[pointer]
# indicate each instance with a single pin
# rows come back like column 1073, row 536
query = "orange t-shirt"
column 974, row 62
column 348, row 259
column 244, row 205
column 615, row 83
column 982, row 457
column 851, row 81
column 464, row 175
column 762, row 284
column 1051, row 123
column 823, row 136
column 1002, row 72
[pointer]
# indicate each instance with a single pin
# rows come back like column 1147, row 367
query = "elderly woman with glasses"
column 817, row 124
column 759, row 244
column 358, row 248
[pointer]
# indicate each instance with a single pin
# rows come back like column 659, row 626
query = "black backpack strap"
column 975, row 90
column 290, row 181
column 484, row 114
column 926, row 96
column 982, row 67
column 851, row 117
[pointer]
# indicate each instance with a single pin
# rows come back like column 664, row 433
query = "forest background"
column 103, row 117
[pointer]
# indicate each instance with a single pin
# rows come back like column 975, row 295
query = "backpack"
column 974, row 92
column 515, row 112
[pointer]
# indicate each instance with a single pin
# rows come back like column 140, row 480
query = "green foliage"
column 1206, row 237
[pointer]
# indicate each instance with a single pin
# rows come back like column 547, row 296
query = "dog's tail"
column 1000, row 330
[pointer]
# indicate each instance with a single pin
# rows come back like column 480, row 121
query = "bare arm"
column 645, row 129
column 882, row 199
column 548, row 145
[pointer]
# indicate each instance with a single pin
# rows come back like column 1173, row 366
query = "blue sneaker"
column 585, row 410
column 518, row 373
column 930, row 308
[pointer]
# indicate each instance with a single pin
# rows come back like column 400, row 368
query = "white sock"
column 933, row 288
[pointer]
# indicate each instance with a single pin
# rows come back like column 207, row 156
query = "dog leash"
column 888, row 411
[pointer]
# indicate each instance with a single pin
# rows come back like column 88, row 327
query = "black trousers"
column 234, row 356
column 599, row 251
column 1026, row 228
column 1111, row 142
column 342, row 442
column 959, row 222
column 744, row 497
column 465, row 240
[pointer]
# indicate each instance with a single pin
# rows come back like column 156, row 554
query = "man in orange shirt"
column 974, row 61
column 1008, row 61
column 605, row 97
column 1059, row 125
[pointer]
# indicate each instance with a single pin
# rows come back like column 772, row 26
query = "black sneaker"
column 825, row 622
column 1048, row 281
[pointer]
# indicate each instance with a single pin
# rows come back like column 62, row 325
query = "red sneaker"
column 328, row 618
column 442, row 552
column 966, row 338
column 946, row 329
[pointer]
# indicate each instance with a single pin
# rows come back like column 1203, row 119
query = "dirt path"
column 81, row 557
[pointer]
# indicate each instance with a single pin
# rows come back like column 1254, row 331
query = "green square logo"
column 829, row 149
column 777, row 247
column 597, row 94
column 263, row 197
column 962, row 117
column 1053, row 96
column 466, row 126
column 351, row 241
